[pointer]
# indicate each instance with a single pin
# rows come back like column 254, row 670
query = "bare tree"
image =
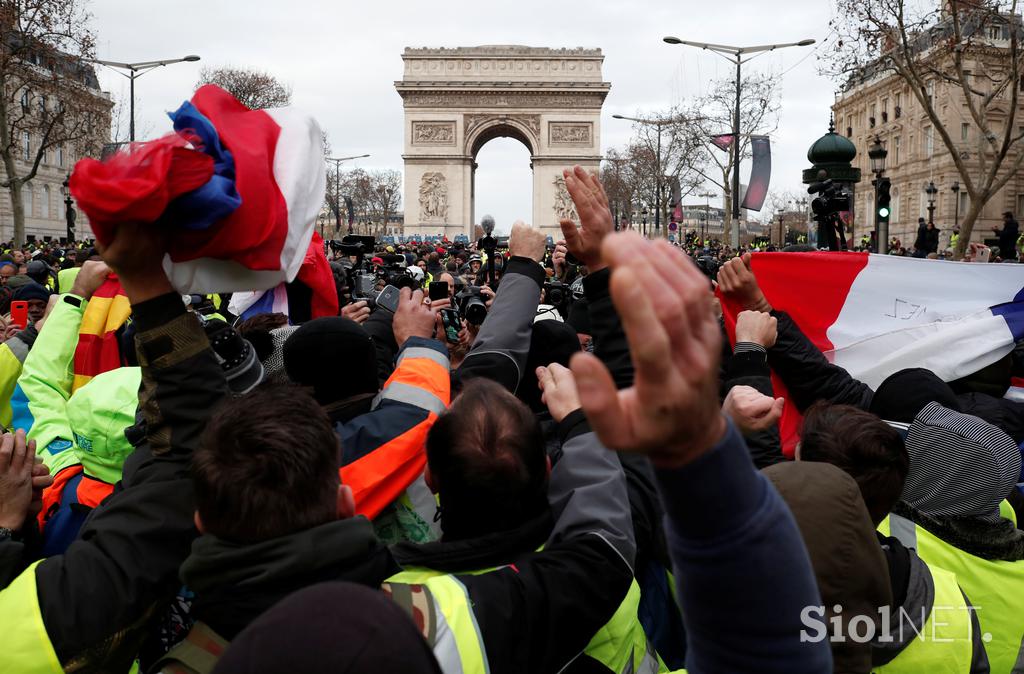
column 713, row 116
column 385, row 195
column 971, row 47
column 375, row 195
column 253, row 88
column 49, row 99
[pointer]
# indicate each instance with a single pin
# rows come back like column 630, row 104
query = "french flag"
column 240, row 189
column 874, row 315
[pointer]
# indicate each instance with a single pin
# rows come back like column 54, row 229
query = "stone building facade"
column 884, row 107
column 44, row 196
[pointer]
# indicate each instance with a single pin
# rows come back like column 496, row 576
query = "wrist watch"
column 6, row 533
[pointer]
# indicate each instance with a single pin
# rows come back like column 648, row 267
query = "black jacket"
column 235, row 583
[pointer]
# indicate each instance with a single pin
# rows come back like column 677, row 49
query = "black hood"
column 234, row 583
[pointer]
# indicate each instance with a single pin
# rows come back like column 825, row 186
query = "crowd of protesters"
column 531, row 458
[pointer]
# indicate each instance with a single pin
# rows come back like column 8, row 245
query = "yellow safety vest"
column 620, row 645
column 26, row 645
column 994, row 587
column 943, row 646
column 66, row 279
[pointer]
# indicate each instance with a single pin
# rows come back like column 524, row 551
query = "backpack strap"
column 197, row 653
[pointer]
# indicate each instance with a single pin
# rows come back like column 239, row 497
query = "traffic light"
column 882, row 206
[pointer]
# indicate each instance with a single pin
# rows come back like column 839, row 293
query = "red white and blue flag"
column 874, row 315
column 240, row 188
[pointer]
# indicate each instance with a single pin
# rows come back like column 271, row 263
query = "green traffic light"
column 883, row 212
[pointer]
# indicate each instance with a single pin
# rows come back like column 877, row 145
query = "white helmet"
column 415, row 272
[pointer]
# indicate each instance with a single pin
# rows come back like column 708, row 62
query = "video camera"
column 471, row 305
column 832, row 200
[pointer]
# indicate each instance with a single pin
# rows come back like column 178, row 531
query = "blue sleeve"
column 742, row 571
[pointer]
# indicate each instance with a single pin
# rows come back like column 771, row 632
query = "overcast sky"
column 342, row 58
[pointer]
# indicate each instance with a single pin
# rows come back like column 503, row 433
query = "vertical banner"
column 760, row 173
column 677, row 201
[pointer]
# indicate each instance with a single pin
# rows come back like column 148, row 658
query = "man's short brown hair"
column 868, row 449
column 267, row 465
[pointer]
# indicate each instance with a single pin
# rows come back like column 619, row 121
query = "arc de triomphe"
column 456, row 100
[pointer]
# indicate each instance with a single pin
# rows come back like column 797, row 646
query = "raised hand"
column 90, row 277
column 751, row 410
column 356, row 311
column 736, row 281
column 17, row 460
column 136, row 254
column 671, row 412
column 595, row 218
column 413, row 317
column 559, row 390
column 757, row 327
column 526, row 241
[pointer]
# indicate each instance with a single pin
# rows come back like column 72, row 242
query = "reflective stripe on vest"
column 620, row 644
column 994, row 587
column 944, row 645
column 26, row 646
column 458, row 645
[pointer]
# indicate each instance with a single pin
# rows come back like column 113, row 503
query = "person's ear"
column 346, row 502
column 428, row 478
column 199, row 522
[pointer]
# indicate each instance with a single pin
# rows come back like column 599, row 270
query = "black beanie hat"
column 552, row 342
column 903, row 394
column 334, row 356
column 31, row 291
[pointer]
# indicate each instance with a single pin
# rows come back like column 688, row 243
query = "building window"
column 26, row 101
column 42, row 106
column 995, row 32
column 895, row 215
column 26, row 199
column 45, row 214
column 849, row 132
column 60, row 156
column 896, row 150
column 928, row 142
column 965, row 130
column 26, row 145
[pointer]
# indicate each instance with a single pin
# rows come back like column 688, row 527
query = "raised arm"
column 500, row 349
column 727, row 526
column 80, row 607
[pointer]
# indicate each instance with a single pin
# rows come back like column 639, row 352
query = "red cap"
column 377, row 260
column 440, row 251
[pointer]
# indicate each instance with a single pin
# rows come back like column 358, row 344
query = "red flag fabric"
column 316, row 274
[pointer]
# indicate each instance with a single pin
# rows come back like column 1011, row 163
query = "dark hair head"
column 266, row 466
column 864, row 446
column 488, row 462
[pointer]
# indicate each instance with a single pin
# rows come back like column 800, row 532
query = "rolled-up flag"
column 240, row 188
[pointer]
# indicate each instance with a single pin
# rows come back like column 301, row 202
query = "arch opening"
column 502, row 182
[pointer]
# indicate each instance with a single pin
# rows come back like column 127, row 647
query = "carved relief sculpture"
column 433, row 197
column 569, row 134
column 564, row 208
column 433, row 133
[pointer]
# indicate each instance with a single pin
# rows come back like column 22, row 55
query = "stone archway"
column 456, row 100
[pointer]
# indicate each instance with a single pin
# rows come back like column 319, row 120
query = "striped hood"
column 960, row 466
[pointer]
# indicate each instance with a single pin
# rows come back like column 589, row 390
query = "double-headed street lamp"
column 135, row 70
column 736, row 55
column 877, row 154
column 659, row 122
column 337, row 187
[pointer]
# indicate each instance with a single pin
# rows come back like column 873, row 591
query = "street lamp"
column 658, row 122
column 136, row 70
column 955, row 187
column 931, row 190
column 69, row 209
column 735, row 55
column 707, row 215
column 877, row 154
column 643, row 214
column 337, row 188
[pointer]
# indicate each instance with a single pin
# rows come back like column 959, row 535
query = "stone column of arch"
column 456, row 100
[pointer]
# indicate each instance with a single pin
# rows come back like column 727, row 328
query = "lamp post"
column 69, row 209
column 337, row 187
column 735, row 55
column 955, row 188
column 877, row 154
column 659, row 122
column 707, row 214
column 134, row 71
column 643, row 214
column 931, row 190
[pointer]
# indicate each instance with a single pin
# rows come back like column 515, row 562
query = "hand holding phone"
column 19, row 313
